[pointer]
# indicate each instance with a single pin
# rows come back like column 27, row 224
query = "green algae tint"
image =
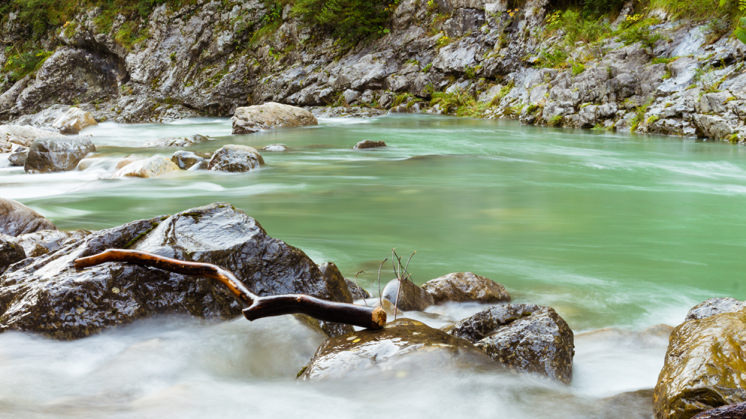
column 611, row 230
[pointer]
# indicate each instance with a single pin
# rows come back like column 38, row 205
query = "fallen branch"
column 258, row 307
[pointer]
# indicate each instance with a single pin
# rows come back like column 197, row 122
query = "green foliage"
column 459, row 102
column 635, row 29
column 590, row 8
column 21, row 63
column 350, row 21
column 640, row 115
column 577, row 68
column 553, row 58
column 555, row 121
column 740, row 31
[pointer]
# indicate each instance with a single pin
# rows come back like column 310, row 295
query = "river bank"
column 642, row 70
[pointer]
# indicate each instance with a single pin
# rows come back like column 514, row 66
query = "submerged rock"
column 465, row 286
column 17, row 219
column 48, row 296
column 74, row 120
column 275, row 147
column 18, row 155
column 402, row 347
column 630, row 405
column 151, row 167
column 526, row 337
column 704, row 366
column 178, row 141
column 411, row 297
column 235, row 158
column 368, row 144
column 270, row 115
column 56, row 154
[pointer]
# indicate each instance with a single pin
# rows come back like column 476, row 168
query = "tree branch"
column 273, row 305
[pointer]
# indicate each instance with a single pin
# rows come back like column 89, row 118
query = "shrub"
column 350, row 21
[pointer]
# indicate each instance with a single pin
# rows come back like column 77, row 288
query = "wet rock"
column 146, row 168
column 733, row 411
column 178, row 141
column 275, row 147
column 18, row 154
column 712, row 126
column 235, row 158
column 49, row 296
column 411, row 297
column 10, row 252
column 368, row 144
column 17, row 219
column 333, row 278
column 270, row 115
column 42, row 242
column 57, row 154
column 404, row 346
column 357, row 292
column 74, row 120
column 704, row 367
column 465, row 286
column 526, row 337
column 713, row 306
column 186, row 159
column 22, row 135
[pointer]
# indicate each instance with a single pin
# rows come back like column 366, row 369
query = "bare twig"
column 380, row 297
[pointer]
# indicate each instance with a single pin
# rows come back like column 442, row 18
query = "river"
column 618, row 233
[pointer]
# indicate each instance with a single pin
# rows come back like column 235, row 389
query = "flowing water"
column 618, row 233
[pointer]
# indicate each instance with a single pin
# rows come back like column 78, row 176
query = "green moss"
column 19, row 63
column 427, row 67
column 640, row 115
column 459, row 103
column 555, row 121
column 577, row 68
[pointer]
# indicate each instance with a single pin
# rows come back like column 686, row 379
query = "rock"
column 712, row 126
column 715, row 306
column 526, row 337
column 465, row 286
column 48, row 296
column 368, row 144
column 704, row 367
column 17, row 219
column 402, row 347
column 733, row 411
column 630, row 405
column 270, row 115
column 18, row 155
column 357, row 292
column 56, row 154
column 21, row 135
column 333, row 279
column 10, row 252
column 42, row 242
column 178, row 141
column 411, row 297
column 235, row 158
column 155, row 166
column 74, row 120
column 275, row 147
column 186, row 159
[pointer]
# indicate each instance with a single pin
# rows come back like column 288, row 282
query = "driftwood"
column 258, row 307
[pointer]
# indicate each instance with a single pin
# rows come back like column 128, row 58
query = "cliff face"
column 643, row 72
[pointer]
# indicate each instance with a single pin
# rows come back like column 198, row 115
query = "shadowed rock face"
column 403, row 346
column 47, row 295
column 17, row 219
column 733, row 411
column 704, row 366
column 526, row 337
column 465, row 286
column 10, row 252
column 56, row 154
column 410, row 297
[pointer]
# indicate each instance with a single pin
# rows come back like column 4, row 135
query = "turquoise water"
column 611, row 230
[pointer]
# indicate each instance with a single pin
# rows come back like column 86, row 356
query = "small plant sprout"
column 401, row 274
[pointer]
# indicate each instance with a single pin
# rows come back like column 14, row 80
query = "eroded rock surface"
column 270, row 115
column 57, row 154
column 17, row 219
column 47, row 295
column 465, row 286
column 235, row 158
column 154, row 166
column 403, row 346
column 74, row 120
column 526, row 337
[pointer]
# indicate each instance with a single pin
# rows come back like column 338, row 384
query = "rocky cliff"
column 639, row 70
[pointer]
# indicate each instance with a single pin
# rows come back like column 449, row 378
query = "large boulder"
column 255, row 118
column 704, row 366
column 74, row 120
column 409, row 297
column 56, row 154
column 154, row 166
column 18, row 155
column 22, row 135
column 235, row 158
column 465, row 286
column 47, row 295
column 402, row 347
column 44, row 241
column 526, row 337
column 17, row 219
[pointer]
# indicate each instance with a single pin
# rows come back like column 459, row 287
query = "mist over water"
column 615, row 232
